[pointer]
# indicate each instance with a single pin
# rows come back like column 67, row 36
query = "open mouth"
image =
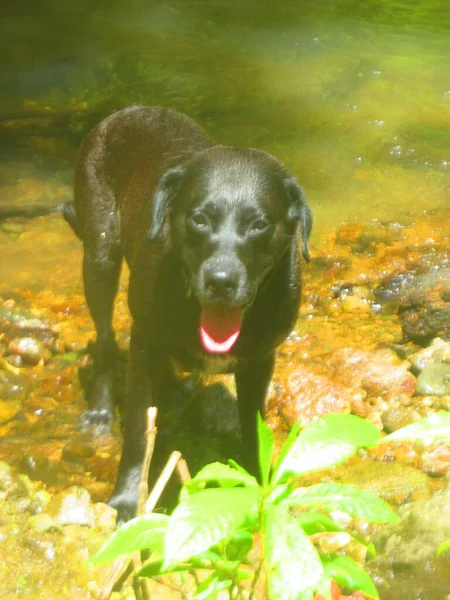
column 219, row 328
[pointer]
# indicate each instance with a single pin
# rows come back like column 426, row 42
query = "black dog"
column 211, row 237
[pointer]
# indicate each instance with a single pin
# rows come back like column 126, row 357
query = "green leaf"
column 293, row 434
column 238, row 467
column 142, row 532
column 347, row 498
column 244, row 574
column 326, row 443
column 154, row 568
column 314, row 522
column 279, row 492
column 442, row 548
column 350, row 576
column 239, row 546
column 211, row 586
column 223, row 475
column 293, row 564
column 206, row 518
column 427, row 430
column 265, row 449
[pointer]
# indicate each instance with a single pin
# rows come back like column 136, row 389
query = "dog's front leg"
column 252, row 383
column 147, row 372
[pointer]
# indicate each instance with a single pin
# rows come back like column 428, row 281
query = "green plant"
column 223, row 510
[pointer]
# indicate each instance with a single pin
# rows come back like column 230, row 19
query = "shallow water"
column 353, row 97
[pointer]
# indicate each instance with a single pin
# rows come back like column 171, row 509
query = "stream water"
column 352, row 96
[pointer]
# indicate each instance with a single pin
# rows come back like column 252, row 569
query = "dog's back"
column 119, row 165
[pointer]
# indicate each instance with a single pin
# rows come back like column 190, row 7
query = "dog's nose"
column 221, row 284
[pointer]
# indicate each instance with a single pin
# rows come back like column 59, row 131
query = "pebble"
column 438, row 351
column 77, row 451
column 72, row 507
column 31, row 350
column 42, row 523
column 434, row 380
column 9, row 410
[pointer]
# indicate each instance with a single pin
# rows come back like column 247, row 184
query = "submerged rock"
column 9, row 410
column 30, row 349
column 366, row 237
column 434, row 380
column 309, row 396
column 394, row 482
column 437, row 352
column 425, row 307
column 378, row 373
column 407, row 551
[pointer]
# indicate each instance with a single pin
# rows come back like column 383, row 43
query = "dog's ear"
column 168, row 186
column 299, row 212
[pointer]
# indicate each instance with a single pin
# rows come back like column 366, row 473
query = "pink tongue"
column 219, row 328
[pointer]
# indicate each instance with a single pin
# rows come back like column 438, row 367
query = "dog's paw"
column 97, row 420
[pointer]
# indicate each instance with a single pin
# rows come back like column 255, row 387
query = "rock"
column 395, row 417
column 349, row 234
column 394, row 482
column 42, row 523
column 39, row 501
column 105, row 516
column 436, row 460
column 72, row 507
column 13, row 229
column 392, row 287
column 378, row 373
column 434, row 380
column 22, row 488
column 309, row 396
column 40, row 468
column 17, row 325
column 366, row 238
column 334, row 541
column 425, row 307
column 353, row 303
column 9, row 410
column 437, row 352
column 77, row 451
column 329, row 261
column 407, row 551
column 6, row 477
column 31, row 350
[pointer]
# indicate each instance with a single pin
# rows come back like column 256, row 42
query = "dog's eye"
column 259, row 225
column 199, row 222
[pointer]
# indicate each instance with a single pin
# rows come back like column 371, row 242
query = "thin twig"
column 183, row 471
column 161, row 483
column 150, row 436
column 152, row 500
column 119, row 567
column 121, row 564
column 175, row 462
column 141, row 586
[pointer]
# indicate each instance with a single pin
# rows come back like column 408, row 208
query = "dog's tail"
column 70, row 215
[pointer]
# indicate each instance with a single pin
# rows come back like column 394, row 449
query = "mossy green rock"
column 434, row 380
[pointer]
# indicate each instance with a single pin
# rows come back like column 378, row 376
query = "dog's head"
column 231, row 215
